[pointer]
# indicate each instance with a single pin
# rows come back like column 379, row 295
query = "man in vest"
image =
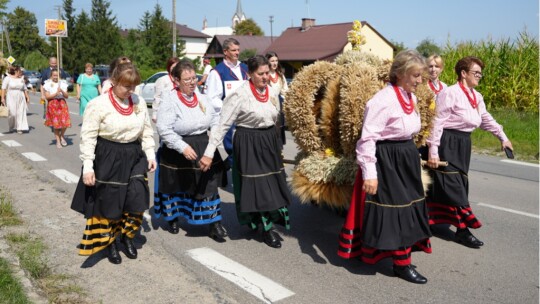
column 223, row 80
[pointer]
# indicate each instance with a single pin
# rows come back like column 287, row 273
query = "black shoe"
column 114, row 256
column 218, row 232
column 131, row 251
column 173, row 227
column 271, row 238
column 465, row 237
column 409, row 274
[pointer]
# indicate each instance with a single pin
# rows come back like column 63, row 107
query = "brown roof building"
column 258, row 43
column 299, row 46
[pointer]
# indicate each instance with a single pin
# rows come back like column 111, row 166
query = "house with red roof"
column 303, row 45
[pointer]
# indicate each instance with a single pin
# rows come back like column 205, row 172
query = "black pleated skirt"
column 397, row 216
column 121, row 182
column 178, row 174
column 257, row 156
column 450, row 184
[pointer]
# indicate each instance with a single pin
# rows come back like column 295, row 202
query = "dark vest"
column 226, row 74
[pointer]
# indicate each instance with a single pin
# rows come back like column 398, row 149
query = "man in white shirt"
column 223, row 80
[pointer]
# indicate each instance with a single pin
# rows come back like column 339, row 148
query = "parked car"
column 147, row 89
column 102, row 71
column 69, row 81
column 34, row 79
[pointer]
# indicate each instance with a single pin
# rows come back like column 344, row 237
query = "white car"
column 147, row 89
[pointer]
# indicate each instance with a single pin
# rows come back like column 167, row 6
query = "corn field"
column 510, row 74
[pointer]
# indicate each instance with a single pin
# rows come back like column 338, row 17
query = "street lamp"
column 271, row 34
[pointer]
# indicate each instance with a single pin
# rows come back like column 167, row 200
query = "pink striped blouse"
column 384, row 119
column 454, row 111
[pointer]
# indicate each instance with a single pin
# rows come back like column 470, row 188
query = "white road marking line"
column 11, row 143
column 34, row 156
column 509, row 210
column 519, row 163
column 256, row 284
column 66, row 176
column 74, row 113
column 1, row 134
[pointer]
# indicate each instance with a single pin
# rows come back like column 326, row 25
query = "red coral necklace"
column 189, row 103
column 124, row 111
column 472, row 100
column 432, row 87
column 407, row 107
column 260, row 97
column 273, row 79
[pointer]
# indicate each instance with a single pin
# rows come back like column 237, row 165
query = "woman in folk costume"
column 435, row 67
column 117, row 150
column 183, row 120
column 388, row 214
column 57, row 117
column 260, row 190
column 279, row 83
column 460, row 110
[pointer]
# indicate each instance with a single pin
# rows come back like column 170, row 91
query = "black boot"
column 114, row 256
column 465, row 237
column 408, row 273
column 218, row 232
column 271, row 238
column 173, row 227
column 131, row 251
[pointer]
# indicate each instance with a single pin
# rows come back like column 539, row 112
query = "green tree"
column 137, row 49
column 160, row 34
column 83, row 43
column 144, row 27
column 246, row 54
column 69, row 56
column 23, row 33
column 3, row 7
column 248, row 27
column 427, row 48
column 35, row 61
column 104, row 33
column 398, row 47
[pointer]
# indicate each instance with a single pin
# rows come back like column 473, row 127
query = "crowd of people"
column 390, row 215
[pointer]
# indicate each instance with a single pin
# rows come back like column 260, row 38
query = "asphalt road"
column 504, row 195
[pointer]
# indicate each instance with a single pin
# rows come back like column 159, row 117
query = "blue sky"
column 408, row 22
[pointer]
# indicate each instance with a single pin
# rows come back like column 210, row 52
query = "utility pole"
column 271, row 33
column 174, row 28
column 59, row 39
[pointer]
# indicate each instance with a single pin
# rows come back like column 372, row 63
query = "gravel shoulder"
column 157, row 276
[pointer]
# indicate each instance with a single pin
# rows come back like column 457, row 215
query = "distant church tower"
column 238, row 15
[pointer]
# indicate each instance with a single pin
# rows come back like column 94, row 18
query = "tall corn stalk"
column 511, row 75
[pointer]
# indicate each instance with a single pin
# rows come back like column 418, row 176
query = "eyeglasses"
column 189, row 80
column 477, row 74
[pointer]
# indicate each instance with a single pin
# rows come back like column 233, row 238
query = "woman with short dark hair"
column 460, row 110
column 260, row 190
column 183, row 190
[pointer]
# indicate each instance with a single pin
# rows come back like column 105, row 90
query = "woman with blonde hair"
column 88, row 87
column 435, row 68
column 117, row 150
column 388, row 215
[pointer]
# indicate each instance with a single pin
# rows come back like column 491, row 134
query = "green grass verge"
column 8, row 216
column 11, row 290
column 520, row 127
column 31, row 251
